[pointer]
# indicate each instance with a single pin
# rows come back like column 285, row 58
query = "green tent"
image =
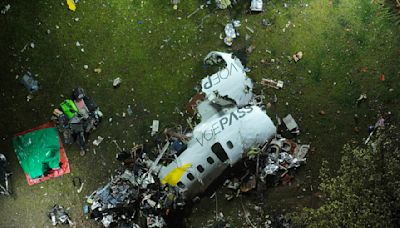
column 38, row 151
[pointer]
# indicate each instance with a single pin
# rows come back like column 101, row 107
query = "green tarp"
column 38, row 151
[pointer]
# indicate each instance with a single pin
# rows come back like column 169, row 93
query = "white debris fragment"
column 85, row 67
column 6, row 9
column 230, row 32
column 154, row 127
column 98, row 141
column 24, row 48
column 32, row 45
column 78, row 44
column 256, row 5
column 290, row 123
column 230, row 84
column 271, row 83
column 116, row 82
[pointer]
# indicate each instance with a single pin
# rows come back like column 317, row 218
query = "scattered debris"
column 256, row 5
column 97, row 70
column 250, row 29
column 175, row 3
column 31, row 84
column 29, row 97
column 290, row 123
column 223, row 4
column 232, row 127
column 131, row 191
column 382, row 77
column 282, row 154
column 193, row 171
column 265, row 22
column 362, row 97
column 195, row 11
column 296, row 57
column 58, row 215
column 154, row 127
column 129, row 110
column 117, row 82
column 4, row 174
column 76, row 117
column 379, row 124
column 271, row 83
column 98, row 141
column 250, row 49
column 6, row 9
column 230, row 32
column 72, row 4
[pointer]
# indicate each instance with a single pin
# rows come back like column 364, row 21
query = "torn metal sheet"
column 290, row 123
column 256, row 5
column 271, row 83
column 154, row 127
column 217, row 143
column 230, row 85
column 207, row 109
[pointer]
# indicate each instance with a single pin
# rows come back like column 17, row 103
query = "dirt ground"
column 157, row 52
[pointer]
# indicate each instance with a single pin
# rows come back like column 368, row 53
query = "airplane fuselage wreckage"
column 231, row 124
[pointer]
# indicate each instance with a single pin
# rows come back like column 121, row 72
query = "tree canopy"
column 366, row 190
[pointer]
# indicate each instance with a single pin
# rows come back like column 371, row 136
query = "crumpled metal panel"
column 230, row 85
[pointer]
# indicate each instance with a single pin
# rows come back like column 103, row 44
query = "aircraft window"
column 180, row 184
column 229, row 144
column 200, row 168
column 219, row 152
column 190, row 176
column 210, row 160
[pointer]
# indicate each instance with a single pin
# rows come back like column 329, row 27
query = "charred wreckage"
column 233, row 126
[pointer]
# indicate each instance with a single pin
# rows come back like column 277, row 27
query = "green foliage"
column 365, row 193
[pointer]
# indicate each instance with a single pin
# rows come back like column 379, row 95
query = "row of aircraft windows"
column 219, row 151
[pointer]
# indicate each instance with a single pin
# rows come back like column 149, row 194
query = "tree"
column 366, row 191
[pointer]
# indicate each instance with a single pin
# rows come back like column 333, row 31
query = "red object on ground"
column 382, row 77
column 193, row 102
column 64, row 165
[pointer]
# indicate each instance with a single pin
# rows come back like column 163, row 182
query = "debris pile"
column 230, row 32
column 282, row 154
column 76, row 117
column 233, row 125
column 134, row 193
column 223, row 4
column 58, row 215
column 4, row 174
column 30, row 83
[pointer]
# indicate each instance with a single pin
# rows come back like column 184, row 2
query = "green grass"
column 158, row 54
